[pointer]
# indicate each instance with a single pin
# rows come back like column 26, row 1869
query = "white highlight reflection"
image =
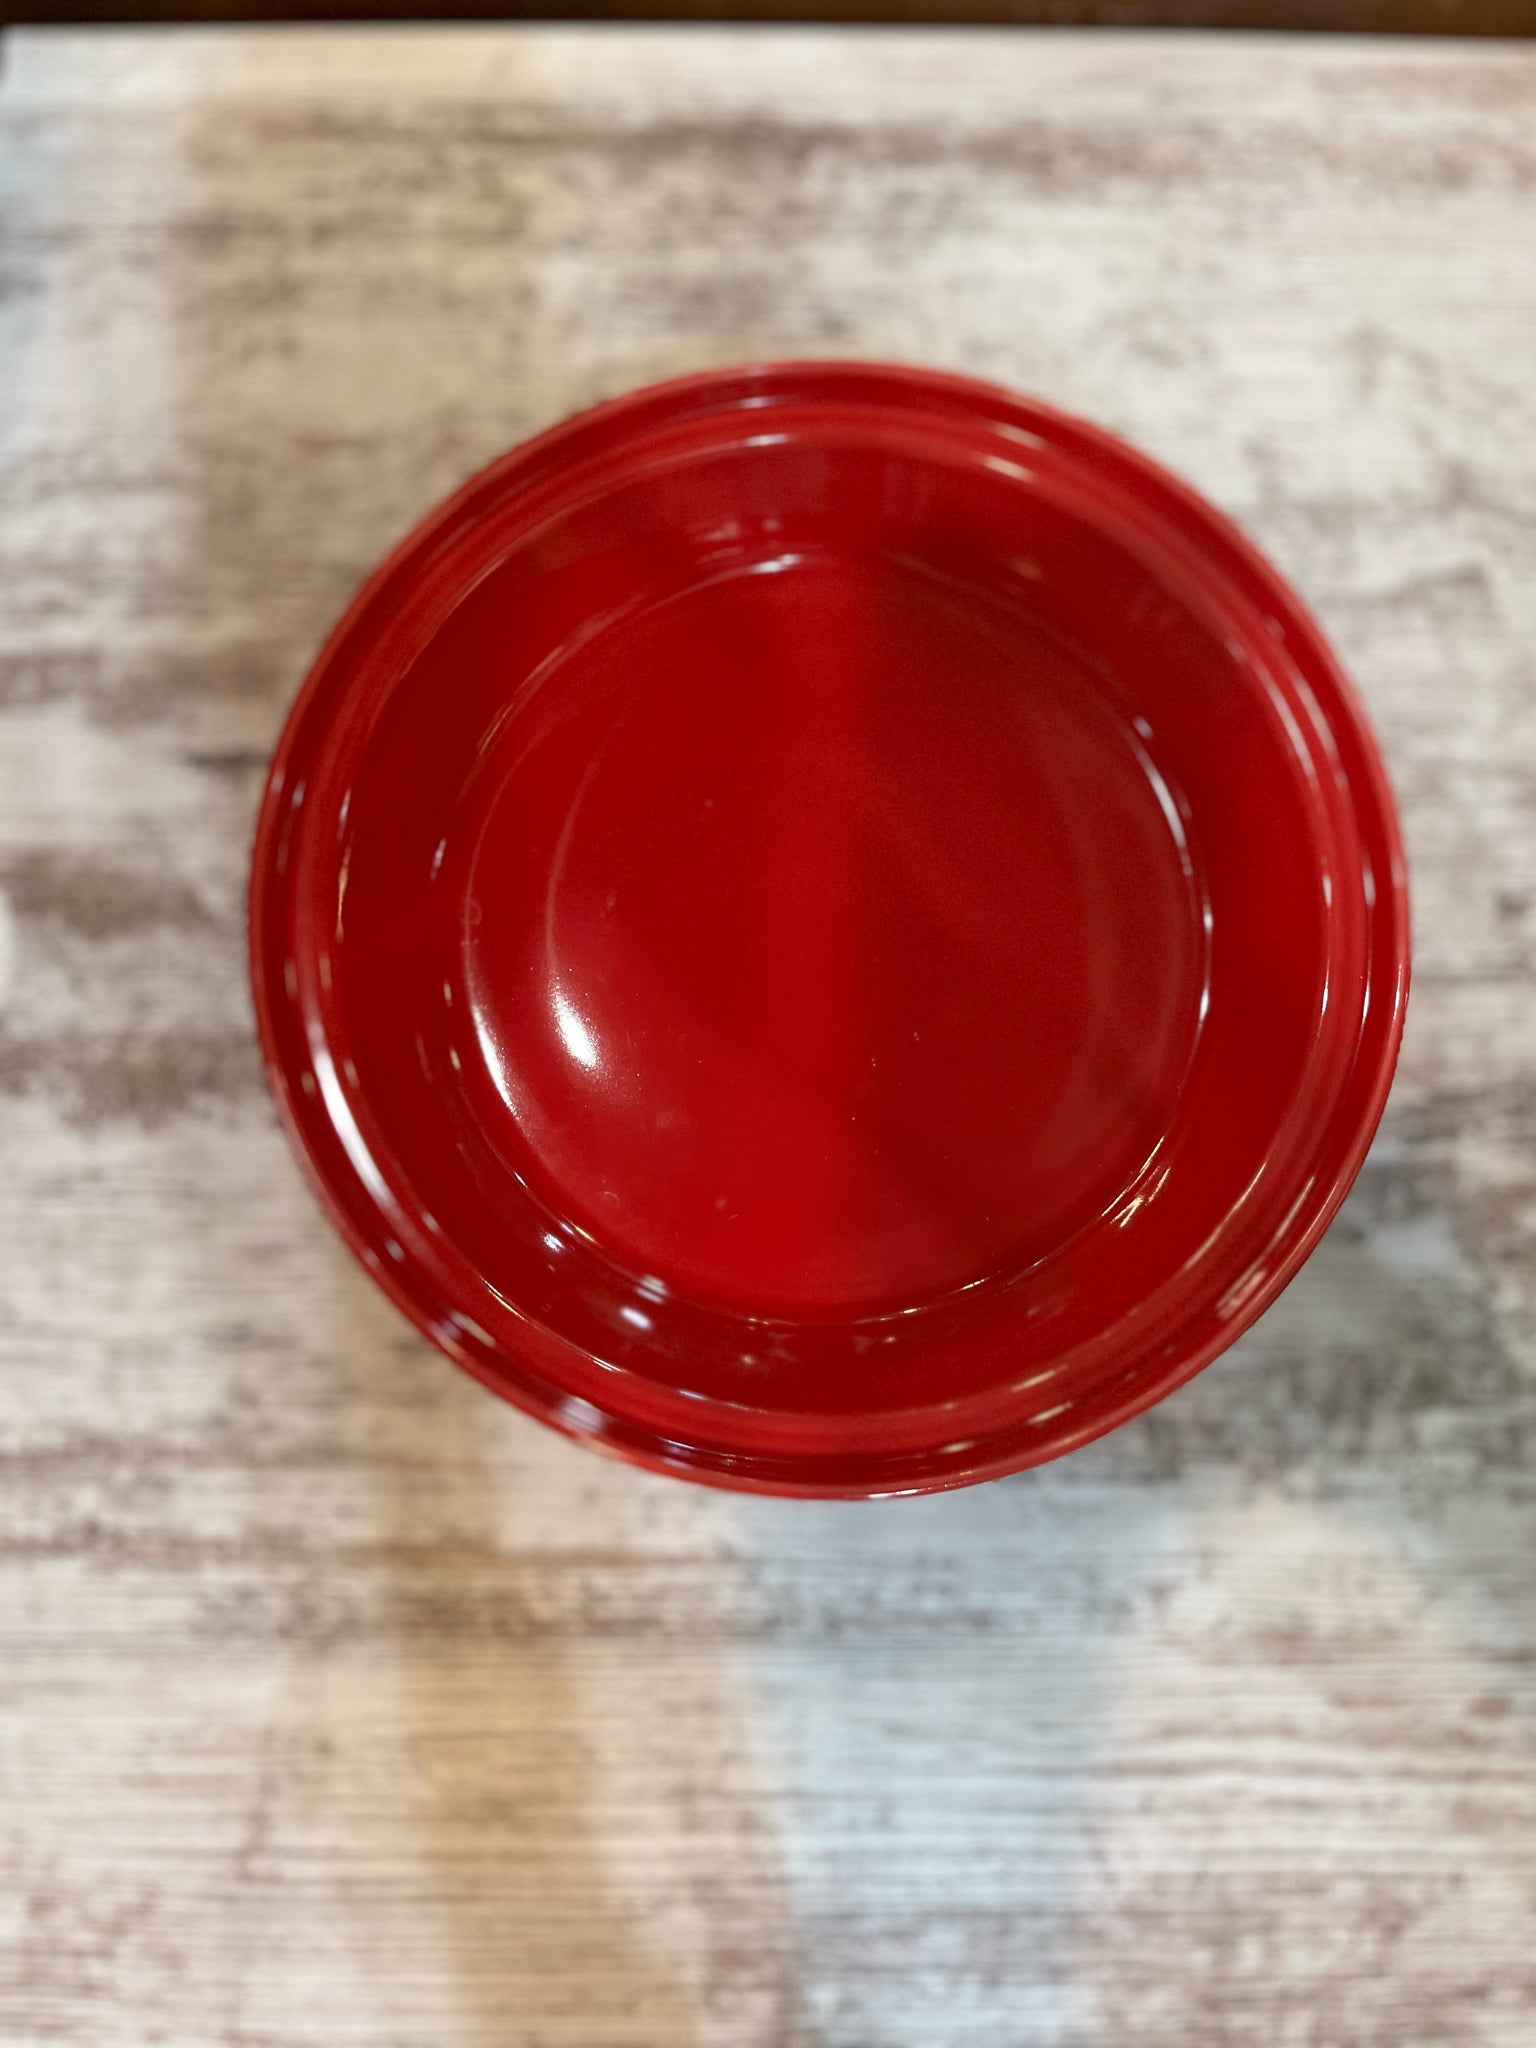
column 579, row 1042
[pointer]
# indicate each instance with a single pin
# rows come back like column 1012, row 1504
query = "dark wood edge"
column 1510, row 18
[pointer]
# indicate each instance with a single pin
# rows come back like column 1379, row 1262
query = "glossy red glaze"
column 829, row 929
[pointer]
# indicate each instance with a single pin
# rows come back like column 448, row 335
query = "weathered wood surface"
column 337, row 1704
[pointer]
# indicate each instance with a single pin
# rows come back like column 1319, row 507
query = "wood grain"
column 339, row 1705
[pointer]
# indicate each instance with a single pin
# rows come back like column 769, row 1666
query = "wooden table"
column 340, row 1706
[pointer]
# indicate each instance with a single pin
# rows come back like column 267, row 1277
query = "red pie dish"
column 828, row 929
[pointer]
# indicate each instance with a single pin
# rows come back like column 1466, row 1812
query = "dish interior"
column 831, row 918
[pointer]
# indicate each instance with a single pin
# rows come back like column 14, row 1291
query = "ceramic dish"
column 828, row 929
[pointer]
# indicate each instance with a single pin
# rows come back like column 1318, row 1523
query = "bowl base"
column 830, row 940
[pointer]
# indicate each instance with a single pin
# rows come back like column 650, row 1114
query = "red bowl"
column 828, row 929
